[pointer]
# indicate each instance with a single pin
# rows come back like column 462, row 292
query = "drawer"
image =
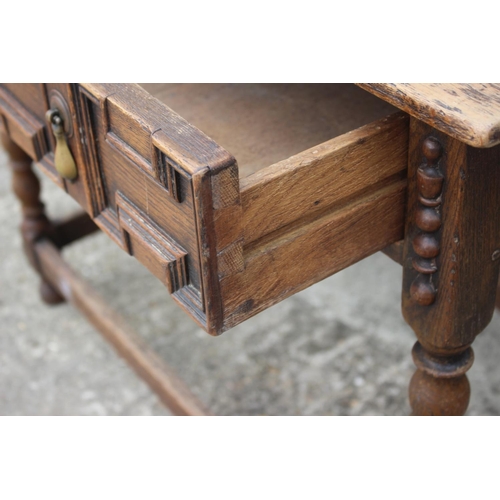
column 22, row 117
column 235, row 196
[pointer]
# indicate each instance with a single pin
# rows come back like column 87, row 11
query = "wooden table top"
column 469, row 112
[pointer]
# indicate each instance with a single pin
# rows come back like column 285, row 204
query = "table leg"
column 450, row 262
column 42, row 242
column 35, row 223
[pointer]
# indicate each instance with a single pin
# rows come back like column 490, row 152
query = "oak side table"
column 326, row 176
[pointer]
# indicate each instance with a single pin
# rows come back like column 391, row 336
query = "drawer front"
column 22, row 117
column 156, row 186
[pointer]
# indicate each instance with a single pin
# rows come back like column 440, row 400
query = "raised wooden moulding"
column 320, row 182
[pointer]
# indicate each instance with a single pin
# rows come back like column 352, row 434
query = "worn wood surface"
column 469, row 112
column 329, row 174
column 153, row 158
column 291, row 242
column 450, row 269
column 262, row 124
column 126, row 152
column 300, row 256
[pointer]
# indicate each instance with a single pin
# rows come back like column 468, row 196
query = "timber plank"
column 469, row 112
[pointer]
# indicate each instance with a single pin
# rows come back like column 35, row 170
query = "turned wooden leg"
column 35, row 223
column 450, row 263
column 440, row 386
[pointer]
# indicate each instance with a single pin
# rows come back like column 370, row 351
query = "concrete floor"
column 340, row 347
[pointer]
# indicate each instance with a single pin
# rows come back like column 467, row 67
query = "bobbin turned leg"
column 450, row 263
column 35, row 224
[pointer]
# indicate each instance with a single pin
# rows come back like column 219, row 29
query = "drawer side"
column 317, row 213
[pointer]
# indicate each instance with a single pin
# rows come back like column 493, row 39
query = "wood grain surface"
column 450, row 262
column 469, row 112
column 306, row 254
column 262, row 124
column 327, row 174
column 467, row 242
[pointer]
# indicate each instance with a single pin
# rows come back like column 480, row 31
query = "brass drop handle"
column 63, row 159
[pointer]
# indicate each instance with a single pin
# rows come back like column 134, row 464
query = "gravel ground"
column 340, row 347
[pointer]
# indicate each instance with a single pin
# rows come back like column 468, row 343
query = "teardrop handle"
column 63, row 159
